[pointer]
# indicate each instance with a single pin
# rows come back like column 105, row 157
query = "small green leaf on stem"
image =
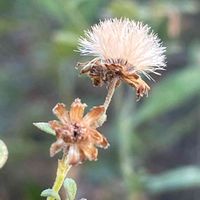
column 44, row 126
column 3, row 154
column 70, row 188
column 50, row 193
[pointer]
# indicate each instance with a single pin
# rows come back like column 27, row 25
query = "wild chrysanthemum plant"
column 76, row 137
column 123, row 50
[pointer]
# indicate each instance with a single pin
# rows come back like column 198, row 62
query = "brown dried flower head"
column 76, row 134
column 123, row 49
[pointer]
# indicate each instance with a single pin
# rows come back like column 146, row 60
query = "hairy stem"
column 111, row 90
column 62, row 170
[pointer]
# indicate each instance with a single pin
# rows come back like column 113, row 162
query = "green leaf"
column 177, row 179
column 70, row 188
column 44, row 126
column 3, row 154
column 170, row 93
column 50, row 193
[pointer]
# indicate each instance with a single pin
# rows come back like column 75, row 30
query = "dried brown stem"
column 111, row 90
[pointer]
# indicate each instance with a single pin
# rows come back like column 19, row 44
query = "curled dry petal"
column 57, row 126
column 89, row 150
column 140, row 86
column 98, row 139
column 94, row 115
column 73, row 154
column 56, row 147
column 77, row 110
column 60, row 111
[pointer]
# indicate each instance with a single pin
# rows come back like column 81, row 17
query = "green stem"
column 62, row 170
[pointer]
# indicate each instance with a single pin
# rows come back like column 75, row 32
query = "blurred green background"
column 155, row 143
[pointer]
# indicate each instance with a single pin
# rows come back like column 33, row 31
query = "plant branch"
column 62, row 170
column 111, row 90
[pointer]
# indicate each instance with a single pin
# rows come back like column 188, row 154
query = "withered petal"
column 89, row 150
column 93, row 116
column 130, row 80
column 77, row 110
column 99, row 122
column 74, row 154
column 62, row 114
column 57, row 127
column 55, row 124
column 97, row 138
column 82, row 156
column 56, row 147
column 136, row 81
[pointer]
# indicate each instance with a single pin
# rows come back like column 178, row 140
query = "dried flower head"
column 77, row 135
column 124, row 49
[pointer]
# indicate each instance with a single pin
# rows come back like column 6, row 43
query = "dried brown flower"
column 101, row 73
column 76, row 134
column 123, row 49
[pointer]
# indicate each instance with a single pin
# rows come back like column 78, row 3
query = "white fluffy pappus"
column 126, row 40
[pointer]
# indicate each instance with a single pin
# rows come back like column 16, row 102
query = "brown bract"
column 105, row 71
column 76, row 134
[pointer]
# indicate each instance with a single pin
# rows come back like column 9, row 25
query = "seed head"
column 122, row 48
